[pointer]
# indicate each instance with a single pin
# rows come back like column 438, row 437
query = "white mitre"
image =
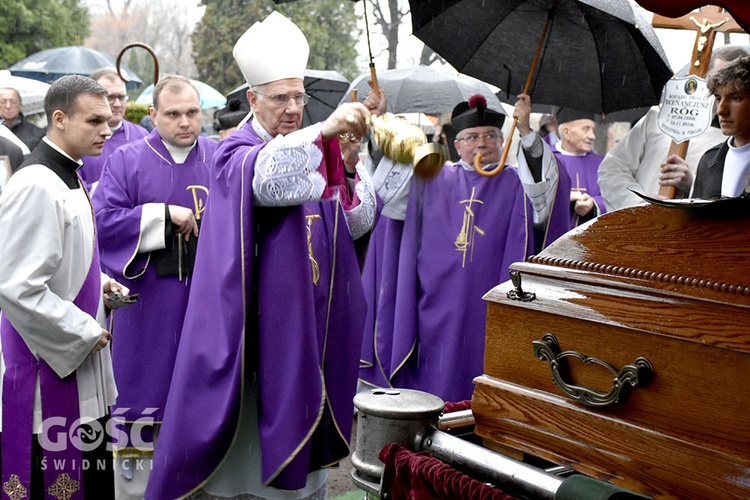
column 272, row 49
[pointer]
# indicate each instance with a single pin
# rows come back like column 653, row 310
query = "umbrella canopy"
column 32, row 91
column 599, row 56
column 421, row 89
column 325, row 88
column 49, row 65
column 210, row 97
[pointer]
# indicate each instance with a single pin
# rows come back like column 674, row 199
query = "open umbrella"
column 32, row 91
column 599, row 55
column 325, row 88
column 422, row 89
column 593, row 55
column 49, row 65
column 210, row 97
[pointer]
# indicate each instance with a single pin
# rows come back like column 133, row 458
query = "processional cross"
column 706, row 22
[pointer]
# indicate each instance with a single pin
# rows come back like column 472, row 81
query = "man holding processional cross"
column 635, row 163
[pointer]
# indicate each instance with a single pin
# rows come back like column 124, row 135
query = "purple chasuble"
column 255, row 312
column 59, row 398
column 379, row 280
column 462, row 232
column 583, row 173
column 146, row 334
column 93, row 165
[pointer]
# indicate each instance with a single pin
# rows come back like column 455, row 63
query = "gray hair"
column 735, row 74
column 18, row 94
column 109, row 74
column 173, row 83
column 64, row 91
column 727, row 53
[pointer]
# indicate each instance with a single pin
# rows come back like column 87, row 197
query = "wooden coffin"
column 660, row 295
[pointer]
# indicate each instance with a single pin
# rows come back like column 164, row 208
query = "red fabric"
column 420, row 476
column 332, row 168
column 477, row 101
column 739, row 9
column 458, row 406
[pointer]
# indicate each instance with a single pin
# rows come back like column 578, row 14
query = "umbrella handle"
column 506, row 149
column 374, row 77
column 500, row 164
column 150, row 51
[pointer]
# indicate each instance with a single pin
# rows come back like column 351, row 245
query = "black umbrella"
column 49, row 65
column 593, row 55
column 599, row 56
column 325, row 88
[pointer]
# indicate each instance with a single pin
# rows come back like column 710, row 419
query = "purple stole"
column 63, row 472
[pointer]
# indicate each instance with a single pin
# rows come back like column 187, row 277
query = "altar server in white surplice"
column 56, row 367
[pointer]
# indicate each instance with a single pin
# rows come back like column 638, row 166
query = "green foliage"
column 329, row 25
column 135, row 112
column 29, row 26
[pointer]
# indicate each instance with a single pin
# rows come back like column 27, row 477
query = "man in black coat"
column 10, row 111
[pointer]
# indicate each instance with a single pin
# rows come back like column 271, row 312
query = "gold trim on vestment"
column 14, row 489
column 131, row 452
column 339, row 208
column 310, row 219
column 324, row 392
column 377, row 357
column 244, row 323
column 64, row 487
column 465, row 239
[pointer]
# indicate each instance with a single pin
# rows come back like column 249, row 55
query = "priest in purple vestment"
column 123, row 131
column 148, row 204
column 575, row 151
column 261, row 397
column 460, row 233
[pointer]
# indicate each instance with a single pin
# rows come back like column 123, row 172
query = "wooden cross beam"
column 706, row 22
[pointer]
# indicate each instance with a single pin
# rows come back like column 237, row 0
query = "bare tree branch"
column 389, row 25
column 428, row 56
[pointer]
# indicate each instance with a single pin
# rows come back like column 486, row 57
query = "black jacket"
column 710, row 171
column 29, row 133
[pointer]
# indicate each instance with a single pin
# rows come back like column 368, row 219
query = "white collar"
column 559, row 147
column 179, row 154
column 59, row 150
column 117, row 127
column 262, row 132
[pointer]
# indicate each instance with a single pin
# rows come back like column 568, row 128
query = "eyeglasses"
column 283, row 99
column 473, row 138
column 113, row 97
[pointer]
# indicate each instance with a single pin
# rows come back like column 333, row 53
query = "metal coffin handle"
column 638, row 373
